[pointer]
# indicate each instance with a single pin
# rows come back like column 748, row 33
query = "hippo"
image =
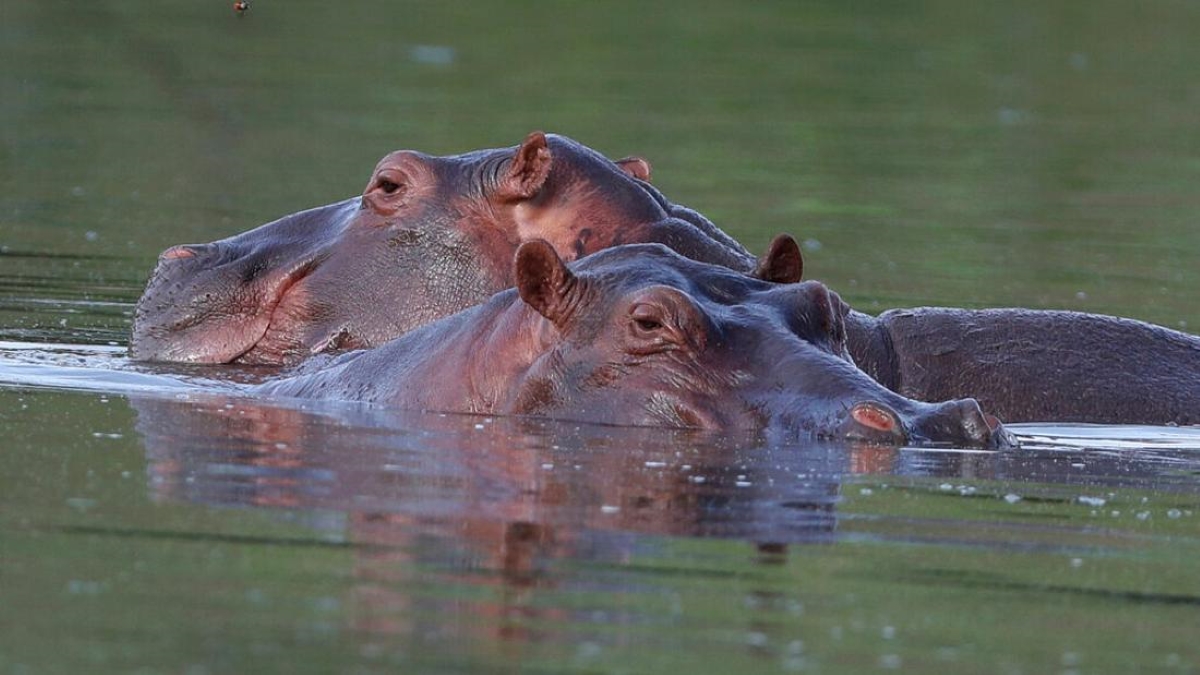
column 433, row 235
column 638, row 335
column 428, row 237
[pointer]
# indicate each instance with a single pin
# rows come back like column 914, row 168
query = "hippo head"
column 429, row 236
column 639, row 335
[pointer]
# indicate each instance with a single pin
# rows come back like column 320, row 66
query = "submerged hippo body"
column 1034, row 365
column 433, row 235
column 639, row 335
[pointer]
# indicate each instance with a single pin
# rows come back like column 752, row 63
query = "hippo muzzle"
column 959, row 423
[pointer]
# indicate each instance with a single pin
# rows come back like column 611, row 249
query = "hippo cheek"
column 628, row 405
column 678, row 409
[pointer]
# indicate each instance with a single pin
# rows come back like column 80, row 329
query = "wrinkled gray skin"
column 639, row 335
column 357, row 273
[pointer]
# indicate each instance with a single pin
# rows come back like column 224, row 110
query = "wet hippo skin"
column 638, row 335
column 429, row 236
column 433, row 235
column 1034, row 365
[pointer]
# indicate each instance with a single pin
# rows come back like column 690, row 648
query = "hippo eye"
column 387, row 185
column 647, row 318
column 389, row 182
column 648, row 325
column 664, row 320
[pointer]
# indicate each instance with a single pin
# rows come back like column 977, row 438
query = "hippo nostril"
column 875, row 423
column 177, row 252
column 184, row 252
column 874, row 416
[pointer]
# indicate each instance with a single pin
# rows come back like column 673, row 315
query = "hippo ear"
column 830, row 316
column 782, row 263
column 543, row 280
column 528, row 169
column 637, row 167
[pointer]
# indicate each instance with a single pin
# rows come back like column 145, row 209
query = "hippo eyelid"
column 389, row 181
column 387, row 191
column 653, row 329
column 647, row 317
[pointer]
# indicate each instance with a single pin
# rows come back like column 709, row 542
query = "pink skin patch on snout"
column 874, row 417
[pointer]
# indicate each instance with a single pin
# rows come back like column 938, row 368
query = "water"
column 151, row 520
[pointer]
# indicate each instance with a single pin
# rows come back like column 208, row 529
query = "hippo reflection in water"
column 433, row 235
column 638, row 335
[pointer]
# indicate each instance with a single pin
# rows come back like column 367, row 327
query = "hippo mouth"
column 272, row 337
column 247, row 327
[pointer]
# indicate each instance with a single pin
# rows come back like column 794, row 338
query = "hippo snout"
column 962, row 423
column 955, row 423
